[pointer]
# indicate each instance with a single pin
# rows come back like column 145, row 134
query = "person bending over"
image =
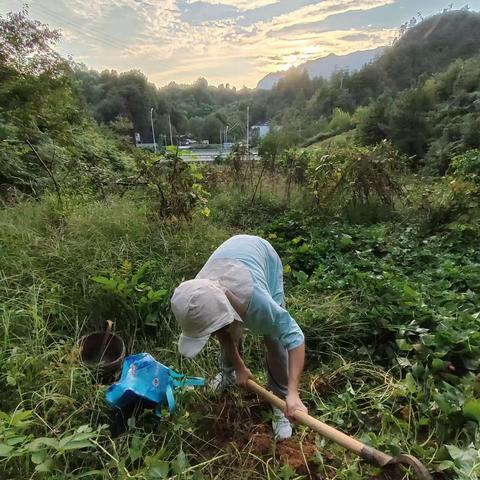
column 241, row 288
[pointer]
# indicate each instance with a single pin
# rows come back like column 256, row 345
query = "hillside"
column 431, row 46
column 325, row 66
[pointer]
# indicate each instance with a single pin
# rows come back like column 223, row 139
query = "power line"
column 82, row 29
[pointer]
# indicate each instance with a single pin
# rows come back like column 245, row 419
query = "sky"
column 224, row 41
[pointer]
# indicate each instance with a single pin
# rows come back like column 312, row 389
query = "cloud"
column 355, row 37
column 202, row 11
column 243, row 5
column 322, row 10
column 234, row 41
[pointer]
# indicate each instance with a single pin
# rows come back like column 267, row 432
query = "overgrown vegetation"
column 382, row 272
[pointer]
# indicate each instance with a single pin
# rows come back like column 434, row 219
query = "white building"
column 260, row 130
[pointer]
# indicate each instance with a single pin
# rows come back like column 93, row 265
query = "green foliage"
column 467, row 166
column 173, row 185
column 430, row 122
column 389, row 308
column 19, row 447
column 409, row 130
column 39, row 105
column 414, row 294
column 274, row 144
column 294, row 165
column 384, row 297
column 340, row 122
column 447, row 200
column 136, row 298
column 372, row 121
column 353, row 176
column 26, row 46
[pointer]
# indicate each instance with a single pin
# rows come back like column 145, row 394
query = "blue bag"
column 143, row 378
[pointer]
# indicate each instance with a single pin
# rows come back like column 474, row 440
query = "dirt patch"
column 228, row 419
column 297, row 454
column 260, row 441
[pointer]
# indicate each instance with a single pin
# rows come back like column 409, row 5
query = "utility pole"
column 248, row 129
column 153, row 131
column 170, row 126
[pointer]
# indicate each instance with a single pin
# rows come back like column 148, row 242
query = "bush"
column 467, row 165
column 235, row 209
column 173, row 185
column 355, row 176
column 372, row 121
column 447, row 200
column 341, row 121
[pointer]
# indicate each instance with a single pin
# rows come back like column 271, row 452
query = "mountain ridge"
column 324, row 66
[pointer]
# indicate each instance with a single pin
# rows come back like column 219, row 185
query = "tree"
column 274, row 144
column 373, row 121
column 409, row 126
column 211, row 129
column 26, row 46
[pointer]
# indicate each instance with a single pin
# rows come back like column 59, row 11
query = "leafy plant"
column 133, row 293
column 18, row 444
column 353, row 176
column 173, row 185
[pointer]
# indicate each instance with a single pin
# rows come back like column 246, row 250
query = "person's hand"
column 243, row 375
column 293, row 404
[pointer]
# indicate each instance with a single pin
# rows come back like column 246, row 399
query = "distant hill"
column 325, row 66
column 429, row 47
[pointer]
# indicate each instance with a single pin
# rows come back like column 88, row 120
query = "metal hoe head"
column 381, row 459
column 409, row 461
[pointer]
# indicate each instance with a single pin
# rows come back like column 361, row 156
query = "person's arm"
column 296, row 361
column 230, row 347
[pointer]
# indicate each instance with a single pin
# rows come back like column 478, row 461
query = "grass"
column 370, row 298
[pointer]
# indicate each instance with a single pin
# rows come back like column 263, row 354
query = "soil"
column 297, row 454
column 243, row 425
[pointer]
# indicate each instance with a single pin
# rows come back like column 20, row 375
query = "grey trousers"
column 276, row 359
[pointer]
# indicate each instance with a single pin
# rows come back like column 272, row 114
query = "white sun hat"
column 201, row 307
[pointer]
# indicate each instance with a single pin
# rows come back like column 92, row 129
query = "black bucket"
column 103, row 352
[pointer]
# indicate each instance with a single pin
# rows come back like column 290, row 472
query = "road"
column 204, row 155
column 208, row 155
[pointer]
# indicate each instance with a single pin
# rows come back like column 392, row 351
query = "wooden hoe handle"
column 369, row 454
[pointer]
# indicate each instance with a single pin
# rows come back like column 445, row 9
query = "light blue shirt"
column 250, row 268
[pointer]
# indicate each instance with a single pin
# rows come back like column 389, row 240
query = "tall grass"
column 48, row 258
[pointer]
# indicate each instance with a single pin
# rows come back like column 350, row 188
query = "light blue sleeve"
column 290, row 334
column 266, row 317
column 275, row 277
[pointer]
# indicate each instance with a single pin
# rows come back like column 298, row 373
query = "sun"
column 295, row 59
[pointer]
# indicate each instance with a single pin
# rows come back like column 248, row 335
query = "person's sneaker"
column 222, row 381
column 282, row 428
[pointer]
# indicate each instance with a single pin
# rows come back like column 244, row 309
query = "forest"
column 367, row 185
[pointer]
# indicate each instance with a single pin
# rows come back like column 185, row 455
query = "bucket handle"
column 108, row 332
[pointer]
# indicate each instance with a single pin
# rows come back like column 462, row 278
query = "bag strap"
column 170, row 402
column 174, row 374
column 179, row 380
column 170, row 399
column 195, row 381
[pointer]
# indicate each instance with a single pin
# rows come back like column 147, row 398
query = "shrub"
column 467, row 165
column 341, row 121
column 173, row 185
column 353, row 176
column 294, row 164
